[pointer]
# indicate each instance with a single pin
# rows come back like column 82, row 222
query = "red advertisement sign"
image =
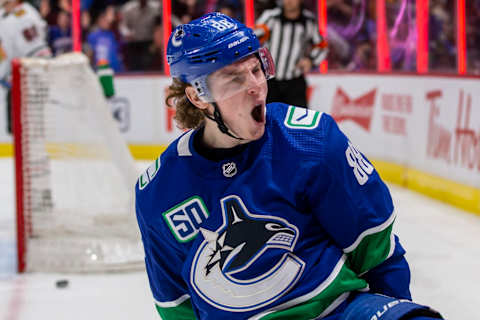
column 464, row 141
column 358, row 110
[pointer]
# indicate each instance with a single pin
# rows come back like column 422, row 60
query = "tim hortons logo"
column 467, row 141
column 466, row 149
column 359, row 110
column 439, row 138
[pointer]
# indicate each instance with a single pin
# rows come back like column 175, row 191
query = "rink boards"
column 422, row 132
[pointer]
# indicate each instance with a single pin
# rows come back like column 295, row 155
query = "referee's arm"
column 320, row 46
column 264, row 24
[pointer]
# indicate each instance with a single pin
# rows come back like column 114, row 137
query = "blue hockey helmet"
column 207, row 44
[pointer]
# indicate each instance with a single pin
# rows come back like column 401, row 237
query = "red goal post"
column 74, row 173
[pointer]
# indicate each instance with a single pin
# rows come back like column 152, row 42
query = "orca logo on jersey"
column 224, row 268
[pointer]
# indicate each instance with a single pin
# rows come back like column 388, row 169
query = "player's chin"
column 256, row 131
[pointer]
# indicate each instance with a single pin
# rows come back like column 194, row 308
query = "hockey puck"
column 61, row 283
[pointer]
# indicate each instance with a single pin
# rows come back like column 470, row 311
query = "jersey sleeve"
column 355, row 208
column 320, row 47
column 30, row 33
column 266, row 18
column 264, row 25
column 5, row 59
column 172, row 300
column 391, row 277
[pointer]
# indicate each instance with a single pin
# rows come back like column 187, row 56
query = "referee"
column 291, row 34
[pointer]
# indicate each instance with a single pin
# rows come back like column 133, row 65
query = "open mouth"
column 257, row 113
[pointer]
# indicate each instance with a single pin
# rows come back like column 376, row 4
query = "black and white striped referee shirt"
column 290, row 40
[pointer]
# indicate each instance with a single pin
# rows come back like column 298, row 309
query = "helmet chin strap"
column 217, row 117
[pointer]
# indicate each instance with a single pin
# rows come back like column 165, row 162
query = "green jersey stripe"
column 182, row 311
column 372, row 250
column 370, row 231
column 321, row 300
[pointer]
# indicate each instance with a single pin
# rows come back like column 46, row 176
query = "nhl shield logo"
column 229, row 169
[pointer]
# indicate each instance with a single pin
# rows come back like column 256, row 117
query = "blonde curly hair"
column 187, row 115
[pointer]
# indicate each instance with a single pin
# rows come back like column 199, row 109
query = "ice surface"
column 442, row 243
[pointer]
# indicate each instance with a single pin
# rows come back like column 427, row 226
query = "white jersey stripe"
column 370, row 231
column 333, row 275
column 174, row 303
column 183, row 147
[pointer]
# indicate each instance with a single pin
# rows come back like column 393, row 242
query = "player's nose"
column 254, row 85
column 253, row 90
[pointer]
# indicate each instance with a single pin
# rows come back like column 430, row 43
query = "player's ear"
column 192, row 95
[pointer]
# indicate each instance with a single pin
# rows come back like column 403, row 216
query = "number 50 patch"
column 361, row 168
column 185, row 218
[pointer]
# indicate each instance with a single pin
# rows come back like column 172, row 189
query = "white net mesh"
column 78, row 175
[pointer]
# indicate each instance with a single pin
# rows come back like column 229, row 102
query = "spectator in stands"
column 154, row 54
column 363, row 58
column 86, row 4
column 136, row 26
column 195, row 8
column 262, row 5
column 86, row 24
column 473, row 36
column 103, row 47
column 48, row 10
column 230, row 8
column 339, row 12
column 60, row 35
column 291, row 33
column 44, row 8
column 442, row 48
column 183, row 11
column 350, row 34
column 179, row 13
column 362, row 44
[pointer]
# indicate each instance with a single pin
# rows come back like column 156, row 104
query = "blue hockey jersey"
column 106, row 49
column 288, row 228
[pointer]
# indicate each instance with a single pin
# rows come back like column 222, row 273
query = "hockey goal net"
column 74, row 173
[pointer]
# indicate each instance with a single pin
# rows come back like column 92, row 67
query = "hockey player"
column 22, row 34
column 263, row 211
